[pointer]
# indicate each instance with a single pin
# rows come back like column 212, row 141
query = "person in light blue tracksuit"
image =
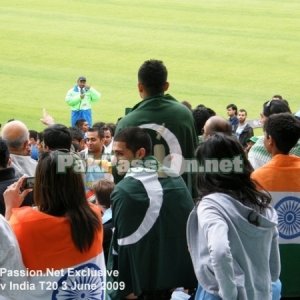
column 79, row 98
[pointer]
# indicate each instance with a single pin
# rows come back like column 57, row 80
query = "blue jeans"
column 201, row 294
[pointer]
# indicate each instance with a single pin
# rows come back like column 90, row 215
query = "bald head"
column 217, row 124
column 16, row 135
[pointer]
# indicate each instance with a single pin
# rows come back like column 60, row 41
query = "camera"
column 28, row 183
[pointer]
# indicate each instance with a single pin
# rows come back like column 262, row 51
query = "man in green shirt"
column 150, row 210
column 169, row 123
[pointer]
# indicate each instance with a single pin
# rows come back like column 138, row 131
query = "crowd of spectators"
column 120, row 201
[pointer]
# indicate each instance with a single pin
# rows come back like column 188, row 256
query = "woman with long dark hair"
column 232, row 232
column 63, row 232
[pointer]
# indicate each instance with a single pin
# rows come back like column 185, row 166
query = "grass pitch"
column 217, row 52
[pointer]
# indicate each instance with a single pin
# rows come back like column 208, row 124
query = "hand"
column 13, row 196
column 47, row 119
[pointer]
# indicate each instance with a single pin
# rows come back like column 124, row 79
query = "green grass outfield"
column 216, row 51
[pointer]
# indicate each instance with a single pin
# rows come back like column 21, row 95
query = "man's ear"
column 140, row 87
column 166, row 86
column 141, row 90
column 270, row 140
column 26, row 148
column 141, row 153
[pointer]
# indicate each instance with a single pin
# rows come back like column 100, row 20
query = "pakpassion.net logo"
column 225, row 165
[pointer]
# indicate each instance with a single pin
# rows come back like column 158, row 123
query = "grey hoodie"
column 233, row 258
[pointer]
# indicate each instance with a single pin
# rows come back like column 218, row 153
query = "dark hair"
column 107, row 128
column 57, row 137
column 112, row 128
column 284, row 128
column 153, row 75
column 236, row 184
column 201, row 114
column 277, row 97
column 33, row 134
column 76, row 134
column 80, row 122
column 41, row 136
column 233, row 107
column 97, row 129
column 63, row 194
column 4, row 154
column 98, row 124
column 103, row 189
column 275, row 107
column 243, row 110
column 135, row 138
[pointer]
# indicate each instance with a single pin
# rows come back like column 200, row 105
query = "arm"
column 73, row 99
column 215, row 230
column 47, row 119
column 13, row 197
column 95, row 96
column 275, row 257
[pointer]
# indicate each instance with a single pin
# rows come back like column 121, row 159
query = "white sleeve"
column 10, row 260
column 215, row 230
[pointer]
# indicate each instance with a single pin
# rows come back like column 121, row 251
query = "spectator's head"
column 135, row 140
column 4, row 154
column 132, row 143
column 82, row 124
column 33, row 136
column 282, row 132
column 274, row 107
column 242, row 116
column 227, row 170
column 81, row 82
column 152, row 78
column 201, row 114
column 231, row 110
column 112, row 127
column 77, row 139
column 16, row 135
column 103, row 189
column 94, row 141
column 187, row 104
column 108, row 135
column 216, row 124
column 98, row 124
column 57, row 137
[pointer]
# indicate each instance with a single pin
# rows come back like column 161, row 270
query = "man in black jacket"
column 244, row 131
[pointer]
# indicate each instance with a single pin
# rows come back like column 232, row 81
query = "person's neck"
column 146, row 96
column 17, row 152
column 274, row 151
column 96, row 155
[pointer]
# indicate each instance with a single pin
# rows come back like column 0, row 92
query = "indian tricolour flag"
column 281, row 178
column 54, row 268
